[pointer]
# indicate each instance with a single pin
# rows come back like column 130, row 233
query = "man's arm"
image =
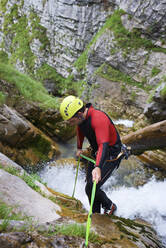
column 80, row 140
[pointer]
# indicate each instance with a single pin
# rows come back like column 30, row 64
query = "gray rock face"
column 70, row 26
column 12, row 126
column 156, row 110
column 148, row 14
column 7, row 162
column 14, row 191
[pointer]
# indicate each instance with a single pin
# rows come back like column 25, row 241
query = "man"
column 105, row 142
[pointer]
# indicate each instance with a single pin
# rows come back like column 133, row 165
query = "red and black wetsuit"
column 104, row 139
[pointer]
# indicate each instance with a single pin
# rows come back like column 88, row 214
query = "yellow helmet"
column 69, row 106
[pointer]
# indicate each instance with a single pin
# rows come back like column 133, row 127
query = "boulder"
column 22, row 141
column 15, row 192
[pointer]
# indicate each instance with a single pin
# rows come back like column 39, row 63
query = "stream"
column 135, row 200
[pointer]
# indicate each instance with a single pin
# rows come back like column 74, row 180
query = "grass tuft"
column 76, row 230
column 32, row 90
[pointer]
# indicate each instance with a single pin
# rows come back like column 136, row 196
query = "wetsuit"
column 105, row 142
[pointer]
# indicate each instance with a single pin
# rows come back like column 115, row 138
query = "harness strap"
column 114, row 159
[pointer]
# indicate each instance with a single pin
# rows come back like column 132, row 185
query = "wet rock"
column 15, row 192
column 156, row 110
column 34, row 240
column 14, row 240
column 155, row 159
column 23, row 142
column 12, row 127
column 124, row 233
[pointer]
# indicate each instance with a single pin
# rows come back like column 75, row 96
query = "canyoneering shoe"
column 111, row 210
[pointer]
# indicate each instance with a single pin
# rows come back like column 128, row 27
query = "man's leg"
column 88, row 189
column 106, row 172
column 100, row 196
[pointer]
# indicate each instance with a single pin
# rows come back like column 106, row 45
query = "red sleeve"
column 80, row 138
column 105, row 135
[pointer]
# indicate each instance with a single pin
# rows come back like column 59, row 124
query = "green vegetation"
column 46, row 72
column 40, row 146
column 2, row 98
column 123, row 39
column 29, row 179
column 3, row 57
column 29, row 88
column 108, row 72
column 163, row 92
column 155, row 71
column 63, row 85
column 7, row 213
column 39, row 32
column 3, row 5
column 22, row 35
column 76, row 230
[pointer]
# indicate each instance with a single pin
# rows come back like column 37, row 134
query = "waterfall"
column 145, row 202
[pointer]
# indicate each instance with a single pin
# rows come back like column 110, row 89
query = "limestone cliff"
column 56, row 33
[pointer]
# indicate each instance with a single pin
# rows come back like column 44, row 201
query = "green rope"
column 90, row 214
column 91, row 205
column 76, row 177
column 89, row 159
column 83, row 156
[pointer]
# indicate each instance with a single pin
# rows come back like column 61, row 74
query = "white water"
column 127, row 123
column 147, row 202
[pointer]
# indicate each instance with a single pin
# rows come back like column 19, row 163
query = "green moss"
column 38, row 31
column 124, row 39
column 3, row 57
column 155, row 71
column 62, row 85
column 46, row 72
column 22, row 35
column 2, row 98
column 19, row 30
column 108, row 72
column 163, row 92
column 124, row 230
column 40, row 146
column 3, row 6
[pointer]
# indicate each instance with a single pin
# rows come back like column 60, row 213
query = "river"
column 146, row 201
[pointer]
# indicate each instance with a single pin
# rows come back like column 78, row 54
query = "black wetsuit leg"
column 101, row 198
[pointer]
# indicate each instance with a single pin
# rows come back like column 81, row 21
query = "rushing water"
column 147, row 202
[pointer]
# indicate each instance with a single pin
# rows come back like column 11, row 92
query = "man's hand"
column 79, row 151
column 96, row 174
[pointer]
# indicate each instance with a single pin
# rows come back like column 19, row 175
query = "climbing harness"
column 125, row 152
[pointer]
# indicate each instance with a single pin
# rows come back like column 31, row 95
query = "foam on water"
column 147, row 202
column 127, row 123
